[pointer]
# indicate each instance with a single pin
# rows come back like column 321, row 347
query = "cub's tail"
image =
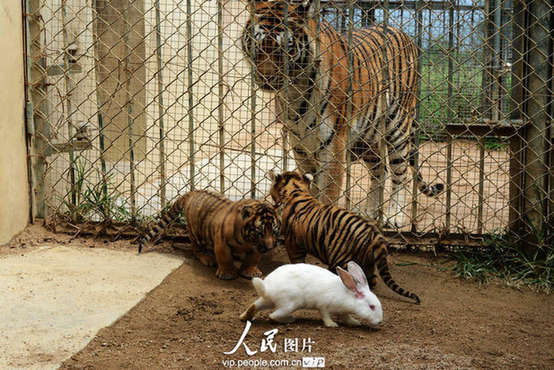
column 166, row 219
column 383, row 267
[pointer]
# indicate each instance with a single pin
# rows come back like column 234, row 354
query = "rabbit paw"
column 349, row 320
column 330, row 324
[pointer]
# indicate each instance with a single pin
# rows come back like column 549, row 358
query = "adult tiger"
column 332, row 234
column 216, row 223
column 282, row 50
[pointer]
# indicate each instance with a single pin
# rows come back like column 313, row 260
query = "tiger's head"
column 285, row 184
column 260, row 224
column 275, row 38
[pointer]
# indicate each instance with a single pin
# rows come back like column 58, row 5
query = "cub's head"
column 260, row 224
column 275, row 37
column 285, row 184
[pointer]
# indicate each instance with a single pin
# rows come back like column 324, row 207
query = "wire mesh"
column 147, row 99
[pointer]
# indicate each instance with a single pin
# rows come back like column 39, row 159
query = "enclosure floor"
column 55, row 298
column 191, row 319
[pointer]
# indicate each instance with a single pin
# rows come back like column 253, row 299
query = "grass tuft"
column 505, row 257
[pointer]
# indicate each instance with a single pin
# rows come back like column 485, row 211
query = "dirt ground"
column 191, row 319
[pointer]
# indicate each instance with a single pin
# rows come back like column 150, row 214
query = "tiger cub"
column 332, row 234
column 216, row 223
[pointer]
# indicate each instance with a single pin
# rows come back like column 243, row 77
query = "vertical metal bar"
column 516, row 109
column 350, row 54
column 253, row 126
column 449, row 113
column 220, row 107
column 130, row 119
column 384, row 99
column 190, row 95
column 68, row 92
column 317, row 91
column 496, row 62
column 29, row 111
column 488, row 57
column 481, row 184
column 99, row 105
column 284, row 107
column 419, row 42
column 161, row 111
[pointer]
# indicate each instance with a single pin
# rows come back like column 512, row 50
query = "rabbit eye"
column 372, row 307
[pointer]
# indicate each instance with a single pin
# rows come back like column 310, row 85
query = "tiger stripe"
column 332, row 234
column 384, row 89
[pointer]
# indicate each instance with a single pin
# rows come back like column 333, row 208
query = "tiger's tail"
column 383, row 267
column 425, row 188
column 166, row 219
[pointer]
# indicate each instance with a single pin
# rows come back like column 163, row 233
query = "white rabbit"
column 295, row 286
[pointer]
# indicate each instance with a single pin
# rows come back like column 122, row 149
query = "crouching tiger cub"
column 332, row 234
column 247, row 226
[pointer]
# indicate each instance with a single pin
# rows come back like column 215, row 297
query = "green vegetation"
column 96, row 201
column 495, row 143
column 504, row 256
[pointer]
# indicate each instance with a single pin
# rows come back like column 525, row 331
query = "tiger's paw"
column 206, row 259
column 251, row 272
column 226, row 275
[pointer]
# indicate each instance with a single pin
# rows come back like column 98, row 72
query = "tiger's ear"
column 245, row 211
column 271, row 175
column 308, row 177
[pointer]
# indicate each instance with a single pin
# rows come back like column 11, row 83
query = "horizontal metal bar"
column 481, row 129
column 434, row 239
column 434, row 5
column 178, row 233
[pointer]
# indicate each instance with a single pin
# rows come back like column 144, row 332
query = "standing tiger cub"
column 332, row 234
column 216, row 223
column 312, row 95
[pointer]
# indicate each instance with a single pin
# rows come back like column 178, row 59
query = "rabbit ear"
column 357, row 273
column 348, row 281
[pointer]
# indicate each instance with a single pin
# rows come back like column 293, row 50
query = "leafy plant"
column 98, row 200
column 506, row 256
column 495, row 143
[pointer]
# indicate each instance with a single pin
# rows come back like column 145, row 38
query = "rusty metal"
column 173, row 105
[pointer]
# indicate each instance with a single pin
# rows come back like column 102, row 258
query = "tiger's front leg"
column 249, row 268
column 332, row 162
column 306, row 163
column 296, row 254
column 226, row 269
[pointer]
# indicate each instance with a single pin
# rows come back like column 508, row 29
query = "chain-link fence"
column 135, row 102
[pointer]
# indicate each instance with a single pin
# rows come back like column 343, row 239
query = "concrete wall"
column 14, row 193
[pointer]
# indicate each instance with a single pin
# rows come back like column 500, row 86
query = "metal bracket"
column 80, row 142
column 59, row 69
column 75, row 146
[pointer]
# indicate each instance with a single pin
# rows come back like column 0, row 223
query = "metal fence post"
column 38, row 112
column 539, row 64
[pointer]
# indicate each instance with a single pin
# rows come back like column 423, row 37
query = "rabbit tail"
column 259, row 286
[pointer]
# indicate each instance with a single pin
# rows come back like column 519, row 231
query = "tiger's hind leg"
column 376, row 169
column 396, row 215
